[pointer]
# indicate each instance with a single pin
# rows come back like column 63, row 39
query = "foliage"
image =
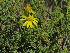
column 51, row 35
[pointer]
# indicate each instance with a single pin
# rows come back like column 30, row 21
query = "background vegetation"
column 52, row 35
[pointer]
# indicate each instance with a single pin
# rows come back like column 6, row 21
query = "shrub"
column 51, row 35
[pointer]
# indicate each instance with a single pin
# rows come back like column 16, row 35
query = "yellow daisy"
column 28, row 8
column 30, row 21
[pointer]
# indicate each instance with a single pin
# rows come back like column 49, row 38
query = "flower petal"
column 23, row 16
column 22, row 19
column 34, row 23
column 32, row 12
column 28, row 25
column 31, row 25
column 25, row 24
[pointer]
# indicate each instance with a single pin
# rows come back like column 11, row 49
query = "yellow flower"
column 30, row 21
column 28, row 8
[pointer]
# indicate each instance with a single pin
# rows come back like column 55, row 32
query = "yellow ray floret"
column 30, row 21
column 28, row 8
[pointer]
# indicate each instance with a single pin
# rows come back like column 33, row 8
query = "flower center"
column 30, row 19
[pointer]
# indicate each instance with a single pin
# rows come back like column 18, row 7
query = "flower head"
column 30, row 21
column 28, row 8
